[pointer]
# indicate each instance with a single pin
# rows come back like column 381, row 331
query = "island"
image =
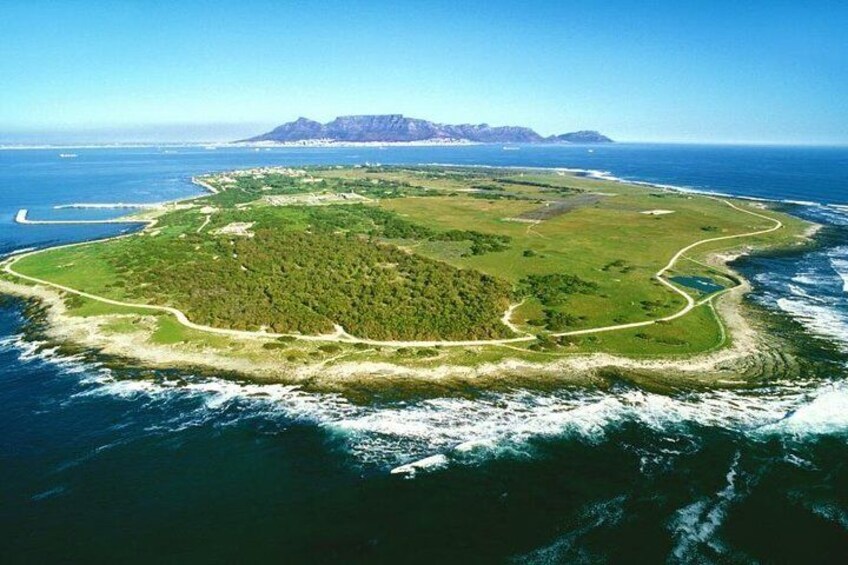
column 351, row 274
column 399, row 129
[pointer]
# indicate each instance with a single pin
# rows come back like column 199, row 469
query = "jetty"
column 21, row 218
column 205, row 185
column 109, row 206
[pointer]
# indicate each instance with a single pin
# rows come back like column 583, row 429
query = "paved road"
column 340, row 336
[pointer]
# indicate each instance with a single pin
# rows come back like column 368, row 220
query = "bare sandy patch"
column 239, row 229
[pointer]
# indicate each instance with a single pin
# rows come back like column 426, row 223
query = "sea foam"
column 695, row 526
column 422, row 436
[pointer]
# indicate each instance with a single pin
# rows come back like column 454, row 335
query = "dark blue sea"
column 109, row 465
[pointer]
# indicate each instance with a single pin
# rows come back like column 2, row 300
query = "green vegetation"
column 402, row 254
column 553, row 289
column 305, row 282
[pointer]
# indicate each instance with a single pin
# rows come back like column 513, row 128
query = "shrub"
column 552, row 290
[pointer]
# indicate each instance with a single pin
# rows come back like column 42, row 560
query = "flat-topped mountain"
column 391, row 128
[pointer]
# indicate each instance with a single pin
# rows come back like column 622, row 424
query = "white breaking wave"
column 801, row 202
column 694, row 526
column 825, row 413
column 812, row 500
column 800, row 292
column 427, row 464
column 817, row 295
column 832, row 513
column 839, row 262
column 425, row 435
column 803, row 278
column 834, row 214
column 18, row 252
column 34, row 351
column 820, row 319
column 569, row 548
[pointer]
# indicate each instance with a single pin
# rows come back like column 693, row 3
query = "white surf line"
column 341, row 336
column 18, row 252
column 21, row 218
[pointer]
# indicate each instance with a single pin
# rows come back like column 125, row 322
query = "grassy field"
column 430, row 254
column 611, row 243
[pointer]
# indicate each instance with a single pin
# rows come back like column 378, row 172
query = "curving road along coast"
column 690, row 302
column 340, row 336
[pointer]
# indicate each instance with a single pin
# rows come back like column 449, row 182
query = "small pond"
column 704, row 284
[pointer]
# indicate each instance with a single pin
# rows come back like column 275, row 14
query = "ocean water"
column 107, row 465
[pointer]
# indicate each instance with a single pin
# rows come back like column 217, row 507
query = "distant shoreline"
column 258, row 144
column 227, row 144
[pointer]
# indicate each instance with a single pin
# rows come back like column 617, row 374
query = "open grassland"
column 418, row 254
column 610, row 243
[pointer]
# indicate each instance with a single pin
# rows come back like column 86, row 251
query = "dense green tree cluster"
column 296, row 281
column 309, row 267
column 251, row 187
column 481, row 243
column 396, row 227
column 440, row 173
column 553, row 289
column 556, row 321
column 542, row 185
column 381, row 223
column 496, row 196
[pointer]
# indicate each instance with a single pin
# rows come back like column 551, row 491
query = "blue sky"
column 774, row 72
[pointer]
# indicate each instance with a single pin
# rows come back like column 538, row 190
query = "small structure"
column 240, row 229
column 313, row 199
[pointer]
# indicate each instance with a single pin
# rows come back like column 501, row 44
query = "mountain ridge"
column 397, row 128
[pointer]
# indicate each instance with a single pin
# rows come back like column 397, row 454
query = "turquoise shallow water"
column 99, row 465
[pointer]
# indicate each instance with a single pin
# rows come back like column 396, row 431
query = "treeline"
column 553, row 289
column 392, row 226
column 536, row 184
column 380, row 223
column 372, row 221
column 304, row 282
column 440, row 173
column 275, row 183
